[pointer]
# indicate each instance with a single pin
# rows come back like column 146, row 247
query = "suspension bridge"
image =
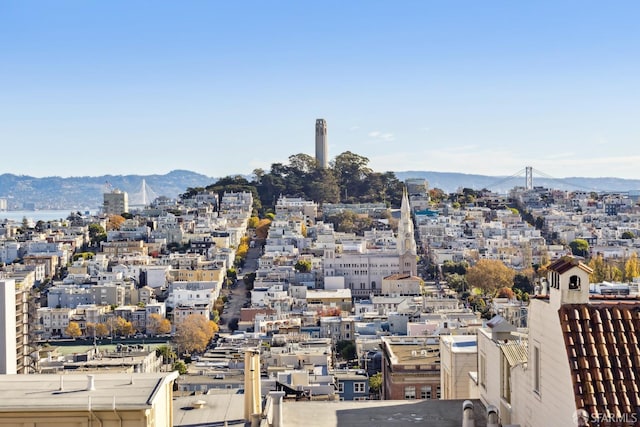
column 143, row 197
column 526, row 176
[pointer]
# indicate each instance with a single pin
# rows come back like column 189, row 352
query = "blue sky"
column 219, row 87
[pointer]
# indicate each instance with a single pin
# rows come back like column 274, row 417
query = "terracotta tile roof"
column 566, row 263
column 601, row 340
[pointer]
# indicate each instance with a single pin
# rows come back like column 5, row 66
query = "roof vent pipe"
column 468, row 416
column 91, row 384
column 493, row 419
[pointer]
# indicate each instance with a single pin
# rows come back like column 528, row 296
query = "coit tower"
column 321, row 143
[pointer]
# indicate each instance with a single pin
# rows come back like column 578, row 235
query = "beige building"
column 458, row 366
column 115, row 203
column 122, row 248
column 198, row 275
column 340, row 298
column 401, row 284
column 106, row 400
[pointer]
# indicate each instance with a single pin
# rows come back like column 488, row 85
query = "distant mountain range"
column 450, row 182
column 86, row 192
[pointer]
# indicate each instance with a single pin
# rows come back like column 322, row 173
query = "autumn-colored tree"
column 73, row 330
column 156, row 324
column 263, row 228
column 115, row 222
column 631, row 268
column 598, row 266
column 614, row 274
column 505, row 292
column 329, row 312
column 253, row 222
column 194, row 333
column 102, row 330
column 120, row 326
column 489, row 275
column 124, row 327
column 242, row 250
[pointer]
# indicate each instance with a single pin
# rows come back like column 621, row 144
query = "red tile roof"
column 566, row 263
column 601, row 340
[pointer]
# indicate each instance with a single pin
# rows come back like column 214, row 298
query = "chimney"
column 91, row 384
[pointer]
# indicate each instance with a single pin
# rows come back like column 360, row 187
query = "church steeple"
column 406, row 241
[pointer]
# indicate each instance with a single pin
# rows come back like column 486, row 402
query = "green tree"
column 346, row 349
column 627, row 235
column 249, row 280
column 180, row 366
column 167, row 353
column 579, row 247
column 457, row 282
column 303, row 266
column 522, row 282
column 375, row 383
column 351, row 170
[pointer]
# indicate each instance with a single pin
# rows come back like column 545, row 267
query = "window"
column 340, row 387
column 483, row 371
column 358, row 387
column 505, row 387
column 574, row 283
column 409, row 392
column 425, row 392
column 437, row 392
column 536, row 369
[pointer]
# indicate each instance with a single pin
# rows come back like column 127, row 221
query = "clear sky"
column 224, row 87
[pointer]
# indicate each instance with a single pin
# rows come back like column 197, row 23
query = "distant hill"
column 86, row 192
column 450, row 182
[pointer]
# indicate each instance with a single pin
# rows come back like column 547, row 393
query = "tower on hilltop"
column 321, row 143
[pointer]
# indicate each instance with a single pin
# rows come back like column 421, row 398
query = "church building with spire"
column 363, row 263
column 406, row 239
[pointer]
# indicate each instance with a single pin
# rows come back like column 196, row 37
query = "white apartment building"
column 458, row 366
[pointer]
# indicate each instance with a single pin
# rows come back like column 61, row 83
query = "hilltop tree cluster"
column 348, row 179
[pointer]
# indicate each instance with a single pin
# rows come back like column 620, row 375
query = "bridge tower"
column 529, row 178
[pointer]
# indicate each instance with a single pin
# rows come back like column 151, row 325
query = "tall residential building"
column 8, row 349
column 115, row 202
column 321, row 143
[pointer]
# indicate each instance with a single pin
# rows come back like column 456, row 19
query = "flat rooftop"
column 216, row 408
column 372, row 413
column 70, row 391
